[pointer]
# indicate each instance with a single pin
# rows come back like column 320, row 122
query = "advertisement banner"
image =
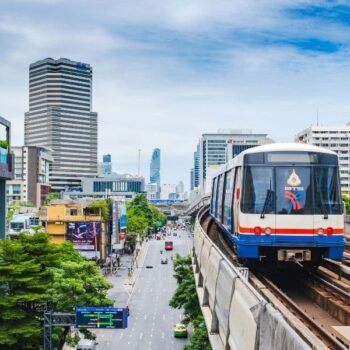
column 84, row 236
column 122, row 216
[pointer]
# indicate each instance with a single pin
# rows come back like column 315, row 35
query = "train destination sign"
column 101, row 317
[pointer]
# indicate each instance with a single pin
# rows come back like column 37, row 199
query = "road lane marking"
column 145, row 316
column 141, row 335
column 162, row 335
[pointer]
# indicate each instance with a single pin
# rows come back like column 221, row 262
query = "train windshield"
column 291, row 190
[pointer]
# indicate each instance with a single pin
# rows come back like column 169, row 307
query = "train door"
column 294, row 204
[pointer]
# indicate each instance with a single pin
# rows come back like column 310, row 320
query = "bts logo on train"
column 281, row 202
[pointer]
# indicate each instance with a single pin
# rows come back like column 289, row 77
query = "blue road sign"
column 102, row 317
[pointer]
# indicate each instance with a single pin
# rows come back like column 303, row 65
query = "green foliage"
column 185, row 297
column 104, row 206
column 131, row 240
column 143, row 216
column 52, row 196
column 35, row 273
column 346, row 201
column 4, row 144
column 199, row 338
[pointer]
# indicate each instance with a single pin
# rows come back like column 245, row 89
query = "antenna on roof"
column 139, row 163
column 317, row 118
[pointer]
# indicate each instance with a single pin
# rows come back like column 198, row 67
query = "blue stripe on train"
column 247, row 246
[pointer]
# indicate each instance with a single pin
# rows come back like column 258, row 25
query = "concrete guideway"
column 236, row 315
column 147, row 293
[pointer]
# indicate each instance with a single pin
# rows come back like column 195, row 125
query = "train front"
column 291, row 207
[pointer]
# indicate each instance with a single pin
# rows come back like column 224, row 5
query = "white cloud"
column 165, row 72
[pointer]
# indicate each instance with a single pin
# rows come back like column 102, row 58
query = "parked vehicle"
column 180, row 330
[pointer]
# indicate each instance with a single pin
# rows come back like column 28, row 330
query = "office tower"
column 61, row 119
column 218, row 148
column 31, row 181
column 192, row 179
column 155, row 168
column 107, row 164
column 337, row 139
column 196, row 168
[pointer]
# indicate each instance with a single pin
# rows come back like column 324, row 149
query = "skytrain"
column 281, row 202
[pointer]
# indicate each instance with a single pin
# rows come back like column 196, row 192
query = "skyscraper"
column 107, row 164
column 335, row 138
column 60, row 118
column 155, row 168
column 214, row 150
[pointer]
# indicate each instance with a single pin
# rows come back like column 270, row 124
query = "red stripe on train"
column 290, row 230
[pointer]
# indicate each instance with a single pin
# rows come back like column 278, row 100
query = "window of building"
column 73, row 212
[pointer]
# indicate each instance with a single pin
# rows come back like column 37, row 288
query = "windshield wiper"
column 324, row 210
column 269, row 194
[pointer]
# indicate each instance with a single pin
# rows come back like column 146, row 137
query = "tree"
column 185, row 297
column 199, row 338
column 52, row 196
column 34, row 274
column 346, row 201
column 24, row 284
column 142, row 216
column 104, row 205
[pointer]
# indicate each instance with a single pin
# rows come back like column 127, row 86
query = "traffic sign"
column 101, row 317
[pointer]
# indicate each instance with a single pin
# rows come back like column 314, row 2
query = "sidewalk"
column 123, row 284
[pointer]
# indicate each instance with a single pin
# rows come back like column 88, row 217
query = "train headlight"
column 268, row 230
column 329, row 230
column 258, row 230
column 320, row 231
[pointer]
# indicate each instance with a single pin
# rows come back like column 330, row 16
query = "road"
column 151, row 318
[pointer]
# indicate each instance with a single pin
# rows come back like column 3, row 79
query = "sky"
column 166, row 71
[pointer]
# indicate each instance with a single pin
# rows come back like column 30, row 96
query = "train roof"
column 273, row 147
column 291, row 146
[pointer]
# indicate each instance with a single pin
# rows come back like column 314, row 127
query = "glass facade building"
column 155, row 167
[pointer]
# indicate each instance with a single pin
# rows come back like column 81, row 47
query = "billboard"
column 122, row 216
column 101, row 317
column 85, row 236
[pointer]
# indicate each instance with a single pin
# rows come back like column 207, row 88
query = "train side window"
column 227, row 220
column 213, row 197
column 220, row 197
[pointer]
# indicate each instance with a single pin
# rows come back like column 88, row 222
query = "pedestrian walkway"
column 124, row 279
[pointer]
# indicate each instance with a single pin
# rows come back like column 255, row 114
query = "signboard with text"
column 102, row 317
column 84, row 235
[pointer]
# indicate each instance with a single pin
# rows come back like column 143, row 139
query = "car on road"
column 180, row 330
column 174, row 234
column 164, row 260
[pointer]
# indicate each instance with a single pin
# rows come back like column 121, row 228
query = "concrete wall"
column 233, row 310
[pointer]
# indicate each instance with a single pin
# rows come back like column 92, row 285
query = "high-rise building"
column 61, row 119
column 106, row 164
column 6, row 169
column 155, row 168
column 196, row 168
column 337, row 139
column 216, row 149
column 192, row 179
column 31, row 181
